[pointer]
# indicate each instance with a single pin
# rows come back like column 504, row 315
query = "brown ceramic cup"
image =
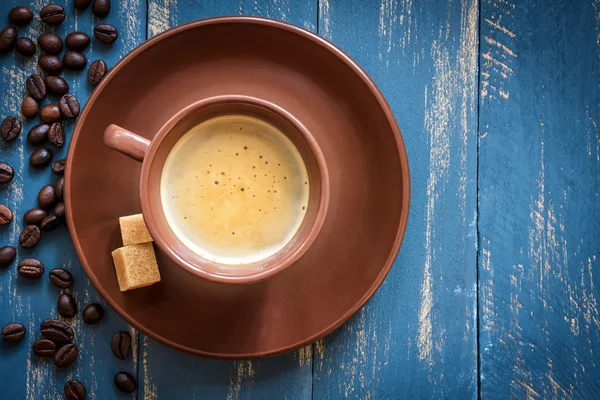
column 153, row 155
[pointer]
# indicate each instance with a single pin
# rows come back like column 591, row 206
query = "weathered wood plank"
column 24, row 375
column 166, row 373
column 417, row 338
column 539, row 209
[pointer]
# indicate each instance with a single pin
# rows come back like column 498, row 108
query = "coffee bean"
column 11, row 128
column 7, row 256
column 77, row 40
column 13, row 332
column 74, row 390
column 74, row 60
column 34, row 216
column 50, row 113
column 6, row 216
column 125, row 382
column 59, row 332
column 8, row 36
column 51, row 64
column 61, row 278
column 82, row 4
column 6, row 172
column 101, row 8
column 47, row 197
column 66, row 355
column 93, row 313
column 36, row 87
column 59, row 210
column 29, row 107
column 52, row 14
column 40, row 158
column 38, row 134
column 56, row 134
column 120, row 343
column 44, row 348
column 51, row 43
column 57, row 85
column 58, row 167
column 20, row 15
column 30, row 236
column 31, row 268
column 69, row 106
column 67, row 306
column 97, row 71
column 106, row 33
column 25, row 46
column 60, row 187
column 51, row 222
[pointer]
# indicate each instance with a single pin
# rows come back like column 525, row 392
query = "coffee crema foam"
column 234, row 189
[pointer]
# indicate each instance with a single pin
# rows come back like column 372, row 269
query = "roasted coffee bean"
column 74, row 390
column 57, row 85
column 8, row 37
column 66, row 355
column 74, row 60
column 60, row 187
column 56, row 134
column 13, row 332
column 11, row 128
column 59, row 332
column 58, row 167
column 51, row 64
column 38, row 134
column 120, row 343
column 51, row 43
column 59, row 210
column 29, row 107
column 30, row 236
column 51, row 222
column 47, row 197
column 36, row 87
column 77, row 40
column 101, row 8
column 52, row 14
column 93, row 313
column 106, row 33
column 50, row 113
column 20, row 15
column 82, row 4
column 44, row 348
column 6, row 216
column 69, row 106
column 61, row 278
column 7, row 256
column 31, row 268
column 25, row 46
column 40, row 158
column 6, row 172
column 125, row 382
column 97, row 71
column 67, row 306
column 34, row 216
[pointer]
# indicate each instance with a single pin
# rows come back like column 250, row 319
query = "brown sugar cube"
column 136, row 266
column 133, row 230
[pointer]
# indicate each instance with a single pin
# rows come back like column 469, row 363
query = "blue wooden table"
column 495, row 290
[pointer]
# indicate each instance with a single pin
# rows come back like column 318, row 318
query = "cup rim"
column 196, row 269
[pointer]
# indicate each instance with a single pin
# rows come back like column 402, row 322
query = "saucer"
column 352, row 123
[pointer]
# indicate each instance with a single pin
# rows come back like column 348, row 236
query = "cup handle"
column 126, row 142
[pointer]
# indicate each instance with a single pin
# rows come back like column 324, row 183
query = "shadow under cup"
column 192, row 116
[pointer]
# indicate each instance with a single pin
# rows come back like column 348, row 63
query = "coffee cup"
column 210, row 198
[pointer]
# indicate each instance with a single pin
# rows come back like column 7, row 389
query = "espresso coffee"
column 234, row 189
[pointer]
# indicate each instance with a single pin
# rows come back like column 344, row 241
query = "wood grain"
column 418, row 334
column 539, row 209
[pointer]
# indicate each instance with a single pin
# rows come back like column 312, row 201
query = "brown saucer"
column 356, row 130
